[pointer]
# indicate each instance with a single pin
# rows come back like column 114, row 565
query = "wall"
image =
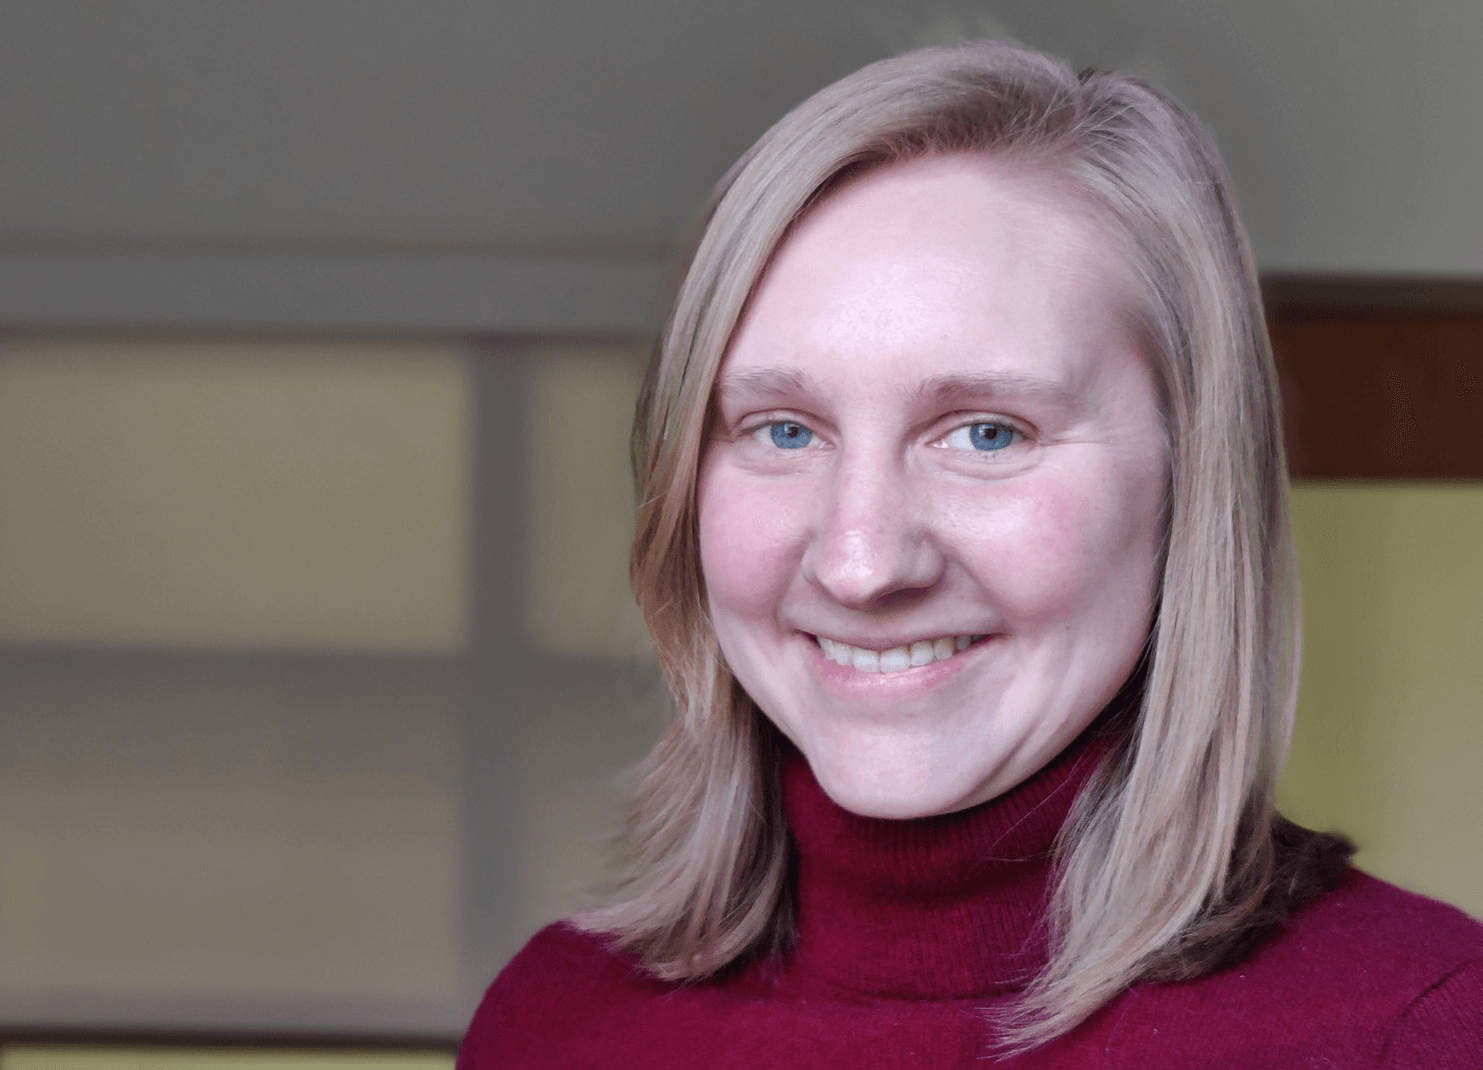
column 234, row 591
column 1390, row 722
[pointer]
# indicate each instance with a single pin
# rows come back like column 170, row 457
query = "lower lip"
column 849, row 682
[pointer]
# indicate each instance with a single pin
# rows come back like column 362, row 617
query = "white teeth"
column 897, row 659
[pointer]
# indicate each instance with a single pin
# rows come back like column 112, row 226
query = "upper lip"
column 878, row 643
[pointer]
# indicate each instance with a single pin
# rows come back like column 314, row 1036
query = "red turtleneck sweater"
column 908, row 930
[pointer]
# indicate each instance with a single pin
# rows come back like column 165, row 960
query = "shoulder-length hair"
column 1168, row 865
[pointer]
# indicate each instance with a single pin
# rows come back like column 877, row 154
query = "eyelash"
column 1002, row 426
column 755, row 431
column 768, row 424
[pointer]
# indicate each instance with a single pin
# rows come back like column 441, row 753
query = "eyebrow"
column 948, row 387
column 767, row 381
column 938, row 389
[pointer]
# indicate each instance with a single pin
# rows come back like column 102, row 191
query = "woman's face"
column 930, row 511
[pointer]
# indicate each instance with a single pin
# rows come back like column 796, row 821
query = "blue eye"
column 986, row 437
column 788, row 435
column 990, row 436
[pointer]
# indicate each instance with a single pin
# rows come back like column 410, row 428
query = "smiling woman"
column 963, row 539
column 970, row 459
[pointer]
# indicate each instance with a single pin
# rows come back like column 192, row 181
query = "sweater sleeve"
column 1442, row 1029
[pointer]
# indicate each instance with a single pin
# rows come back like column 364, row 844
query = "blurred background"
column 320, row 325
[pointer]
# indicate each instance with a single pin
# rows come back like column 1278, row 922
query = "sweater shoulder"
column 569, row 1001
column 1365, row 971
column 1420, row 966
column 1373, row 929
column 565, row 985
column 1443, row 1026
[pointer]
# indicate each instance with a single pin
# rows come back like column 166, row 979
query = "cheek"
column 1069, row 548
column 748, row 542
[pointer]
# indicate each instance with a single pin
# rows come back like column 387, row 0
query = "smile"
column 898, row 658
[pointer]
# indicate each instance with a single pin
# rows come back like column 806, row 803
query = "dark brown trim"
column 1342, row 293
column 1382, row 379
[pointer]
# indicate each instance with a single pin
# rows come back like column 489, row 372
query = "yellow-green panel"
column 66, row 1057
column 260, row 883
column 233, row 492
column 1388, row 745
column 580, row 520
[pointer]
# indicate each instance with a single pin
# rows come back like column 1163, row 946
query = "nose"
column 871, row 540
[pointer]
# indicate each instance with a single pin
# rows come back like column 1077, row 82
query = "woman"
column 963, row 541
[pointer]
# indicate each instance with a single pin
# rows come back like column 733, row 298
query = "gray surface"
column 595, row 127
column 436, row 293
column 559, row 125
column 88, row 724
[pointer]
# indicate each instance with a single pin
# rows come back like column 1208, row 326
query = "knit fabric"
column 910, row 934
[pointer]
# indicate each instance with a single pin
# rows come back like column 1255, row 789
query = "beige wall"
column 1389, row 739
column 235, row 711
column 579, row 406
column 208, row 492
column 233, row 589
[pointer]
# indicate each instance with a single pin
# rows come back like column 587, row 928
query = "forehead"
column 950, row 261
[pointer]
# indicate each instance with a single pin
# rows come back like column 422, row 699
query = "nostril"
column 861, row 570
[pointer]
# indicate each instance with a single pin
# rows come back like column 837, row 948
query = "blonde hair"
column 1166, row 868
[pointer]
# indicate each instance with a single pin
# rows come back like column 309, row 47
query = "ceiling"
column 595, row 127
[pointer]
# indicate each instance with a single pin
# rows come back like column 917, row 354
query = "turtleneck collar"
column 947, row 907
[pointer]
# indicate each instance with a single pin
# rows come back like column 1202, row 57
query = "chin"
column 897, row 794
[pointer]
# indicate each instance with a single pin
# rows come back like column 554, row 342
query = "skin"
column 915, row 303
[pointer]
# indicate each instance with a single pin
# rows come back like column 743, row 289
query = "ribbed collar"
column 948, row 907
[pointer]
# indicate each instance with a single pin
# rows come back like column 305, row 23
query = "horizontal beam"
column 343, row 292
column 1359, row 293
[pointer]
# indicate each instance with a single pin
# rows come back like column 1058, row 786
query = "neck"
column 946, row 907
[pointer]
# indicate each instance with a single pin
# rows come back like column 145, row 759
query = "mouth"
column 898, row 658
